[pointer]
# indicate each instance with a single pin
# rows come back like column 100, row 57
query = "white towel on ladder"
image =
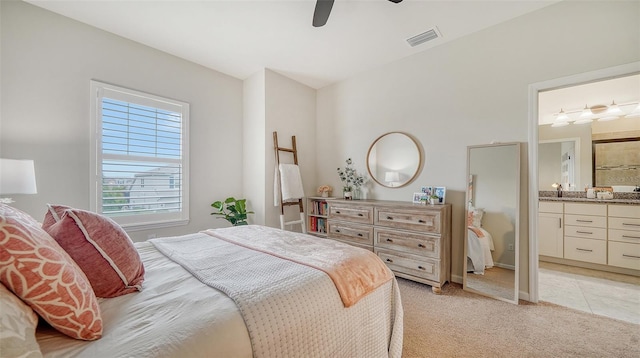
column 290, row 184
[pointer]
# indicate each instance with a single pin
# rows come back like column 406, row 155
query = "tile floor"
column 598, row 292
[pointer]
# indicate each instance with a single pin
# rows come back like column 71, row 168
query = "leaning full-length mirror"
column 491, row 238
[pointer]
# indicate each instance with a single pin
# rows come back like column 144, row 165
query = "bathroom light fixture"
column 16, row 177
column 561, row 119
column 613, row 112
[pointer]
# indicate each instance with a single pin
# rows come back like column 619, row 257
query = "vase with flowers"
column 325, row 190
column 351, row 181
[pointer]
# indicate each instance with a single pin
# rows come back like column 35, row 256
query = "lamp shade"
column 17, row 177
column 391, row 176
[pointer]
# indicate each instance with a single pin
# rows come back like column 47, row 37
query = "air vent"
column 428, row 35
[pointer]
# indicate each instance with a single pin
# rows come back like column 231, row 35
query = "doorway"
column 549, row 279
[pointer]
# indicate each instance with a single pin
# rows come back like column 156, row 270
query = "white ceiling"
column 242, row 37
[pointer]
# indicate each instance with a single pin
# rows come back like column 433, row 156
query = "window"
column 139, row 158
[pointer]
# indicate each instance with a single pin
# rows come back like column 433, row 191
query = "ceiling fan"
column 323, row 9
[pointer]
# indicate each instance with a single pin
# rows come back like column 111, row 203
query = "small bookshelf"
column 317, row 213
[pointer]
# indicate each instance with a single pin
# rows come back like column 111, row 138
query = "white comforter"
column 479, row 251
column 176, row 315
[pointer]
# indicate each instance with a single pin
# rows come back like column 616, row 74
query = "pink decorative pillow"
column 53, row 215
column 102, row 249
column 42, row 274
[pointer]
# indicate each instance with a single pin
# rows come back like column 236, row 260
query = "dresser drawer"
column 585, row 209
column 596, row 233
column 351, row 213
column 625, row 211
column 422, row 267
column 624, row 224
column 550, row 207
column 418, row 220
column 587, row 250
column 622, row 254
column 585, row 221
column 412, row 243
column 359, row 234
column 624, row 236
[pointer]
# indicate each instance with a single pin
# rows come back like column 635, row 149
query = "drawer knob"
column 337, row 230
column 579, row 249
column 337, row 211
column 389, row 218
column 389, row 240
column 389, row 260
column 422, row 221
column 421, row 245
column 360, row 214
column 360, row 234
column 421, row 268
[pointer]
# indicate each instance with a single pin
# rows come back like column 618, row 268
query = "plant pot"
column 348, row 195
column 325, row 194
column 433, row 201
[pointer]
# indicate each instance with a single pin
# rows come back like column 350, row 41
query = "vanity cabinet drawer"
column 359, row 234
column 587, row 250
column 625, row 211
column 585, row 209
column 412, row 243
column 586, row 232
column 550, row 207
column 418, row 220
column 400, row 262
column 623, row 254
column 624, row 223
column 351, row 213
column 586, row 221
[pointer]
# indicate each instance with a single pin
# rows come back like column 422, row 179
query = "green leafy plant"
column 233, row 210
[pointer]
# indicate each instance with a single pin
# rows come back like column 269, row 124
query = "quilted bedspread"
column 291, row 309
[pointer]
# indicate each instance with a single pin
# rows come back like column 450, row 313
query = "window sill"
column 155, row 225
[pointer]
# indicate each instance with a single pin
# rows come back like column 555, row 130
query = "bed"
column 227, row 299
column 479, row 247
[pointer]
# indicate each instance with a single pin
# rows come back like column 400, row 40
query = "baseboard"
column 457, row 279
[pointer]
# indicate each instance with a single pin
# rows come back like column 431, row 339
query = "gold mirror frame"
column 402, row 164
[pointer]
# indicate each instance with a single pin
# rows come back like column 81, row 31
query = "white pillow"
column 474, row 217
column 17, row 327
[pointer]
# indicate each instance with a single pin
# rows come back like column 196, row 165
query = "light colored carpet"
column 462, row 324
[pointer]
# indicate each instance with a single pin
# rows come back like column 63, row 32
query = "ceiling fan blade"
column 322, row 11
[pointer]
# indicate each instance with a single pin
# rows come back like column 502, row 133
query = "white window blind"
column 141, row 152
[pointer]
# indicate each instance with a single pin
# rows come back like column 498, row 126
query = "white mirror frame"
column 516, row 225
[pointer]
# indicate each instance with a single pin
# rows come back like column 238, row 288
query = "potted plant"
column 325, row 190
column 233, row 210
column 350, row 179
column 434, row 199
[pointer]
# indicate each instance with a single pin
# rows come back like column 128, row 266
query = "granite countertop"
column 581, row 197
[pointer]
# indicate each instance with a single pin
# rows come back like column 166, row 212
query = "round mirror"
column 394, row 160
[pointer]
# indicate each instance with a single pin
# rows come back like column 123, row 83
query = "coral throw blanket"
column 355, row 272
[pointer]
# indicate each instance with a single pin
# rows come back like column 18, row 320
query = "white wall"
column 47, row 62
column 471, row 91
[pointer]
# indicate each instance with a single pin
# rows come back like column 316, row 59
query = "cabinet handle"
column 422, row 221
column 360, row 214
column 631, row 237
column 337, row 230
column 631, row 256
column 579, row 249
column 337, row 211
column 421, row 245
column 389, row 218
column 630, row 224
column 560, row 223
column 585, row 232
column 359, row 234
column 390, row 260
column 584, row 221
column 389, row 240
column 421, row 268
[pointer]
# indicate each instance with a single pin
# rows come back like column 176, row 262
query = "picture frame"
column 420, row 198
column 440, row 192
column 427, row 190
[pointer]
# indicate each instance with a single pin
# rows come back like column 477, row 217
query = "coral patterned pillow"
column 102, row 249
column 42, row 274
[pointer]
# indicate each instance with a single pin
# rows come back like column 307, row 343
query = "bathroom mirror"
column 493, row 207
column 394, row 160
